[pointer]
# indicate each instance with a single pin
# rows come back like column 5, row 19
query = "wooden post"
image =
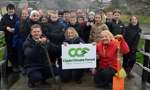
column 146, row 60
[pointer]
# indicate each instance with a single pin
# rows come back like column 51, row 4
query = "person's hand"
column 65, row 43
column 119, row 37
column 60, row 57
column 10, row 29
column 42, row 40
column 80, row 43
column 88, row 24
column 94, row 43
column 92, row 23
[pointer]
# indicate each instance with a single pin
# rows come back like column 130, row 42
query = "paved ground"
column 87, row 84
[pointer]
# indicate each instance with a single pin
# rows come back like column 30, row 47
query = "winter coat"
column 64, row 23
column 18, row 37
column 132, row 36
column 78, row 28
column 95, row 33
column 75, row 40
column 54, row 32
column 116, row 28
column 110, row 59
column 84, row 32
column 7, row 22
column 27, row 27
column 35, row 56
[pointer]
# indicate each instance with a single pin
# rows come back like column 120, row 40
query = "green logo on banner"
column 76, row 52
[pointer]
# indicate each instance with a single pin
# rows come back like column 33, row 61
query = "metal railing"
column 146, row 64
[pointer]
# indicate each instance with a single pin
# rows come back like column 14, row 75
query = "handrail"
column 2, row 62
column 145, row 68
column 2, row 48
column 146, row 54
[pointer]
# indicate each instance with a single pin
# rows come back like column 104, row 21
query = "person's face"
column 72, row 13
column 97, row 18
column 73, row 21
column 44, row 20
column 67, row 16
column 70, row 34
column 80, row 20
column 91, row 17
column 79, row 14
column 86, row 19
column 105, row 38
column 11, row 11
column 41, row 12
column 116, row 16
column 54, row 17
column 101, row 12
column 24, row 14
column 35, row 17
column 60, row 17
column 134, row 21
column 84, row 15
column 36, row 33
column 109, row 15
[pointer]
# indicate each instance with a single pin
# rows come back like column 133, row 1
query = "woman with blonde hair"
column 107, row 51
column 72, row 37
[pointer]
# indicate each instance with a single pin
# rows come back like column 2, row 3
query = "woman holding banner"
column 107, row 50
column 72, row 37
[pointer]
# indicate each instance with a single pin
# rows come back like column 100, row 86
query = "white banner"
column 76, row 56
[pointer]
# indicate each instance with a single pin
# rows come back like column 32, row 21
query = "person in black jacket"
column 88, row 26
column 7, row 25
column 55, row 33
column 132, row 36
column 116, row 26
column 73, row 23
column 34, row 19
column 36, row 63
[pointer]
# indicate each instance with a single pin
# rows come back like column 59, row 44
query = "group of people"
column 27, row 34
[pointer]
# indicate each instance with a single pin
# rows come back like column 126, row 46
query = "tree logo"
column 75, row 52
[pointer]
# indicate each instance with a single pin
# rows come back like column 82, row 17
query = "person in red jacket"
column 107, row 50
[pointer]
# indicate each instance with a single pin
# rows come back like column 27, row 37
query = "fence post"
column 145, row 74
column 4, row 66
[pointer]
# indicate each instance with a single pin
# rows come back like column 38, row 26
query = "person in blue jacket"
column 18, row 38
column 72, row 37
column 65, row 19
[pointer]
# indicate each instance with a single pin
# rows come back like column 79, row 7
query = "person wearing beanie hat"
column 32, row 12
column 34, row 19
column 102, row 11
column 79, row 12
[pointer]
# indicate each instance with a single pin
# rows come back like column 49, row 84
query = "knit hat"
column 32, row 12
column 102, row 10
column 91, row 13
column 79, row 11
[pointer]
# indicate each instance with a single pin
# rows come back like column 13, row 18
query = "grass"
column 142, row 19
column 1, row 45
column 139, row 56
